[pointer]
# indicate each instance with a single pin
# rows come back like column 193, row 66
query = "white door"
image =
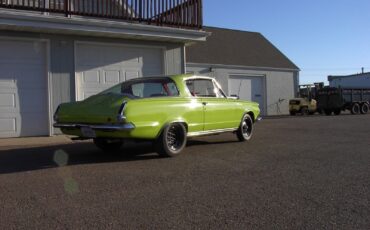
column 23, row 89
column 248, row 88
column 100, row 66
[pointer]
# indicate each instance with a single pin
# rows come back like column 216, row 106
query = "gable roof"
column 237, row 48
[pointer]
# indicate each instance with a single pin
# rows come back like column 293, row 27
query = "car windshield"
column 145, row 87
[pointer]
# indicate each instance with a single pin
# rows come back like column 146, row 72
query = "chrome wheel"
column 245, row 130
column 172, row 140
column 175, row 138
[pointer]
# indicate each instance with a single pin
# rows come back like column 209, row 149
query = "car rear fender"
column 182, row 121
column 250, row 113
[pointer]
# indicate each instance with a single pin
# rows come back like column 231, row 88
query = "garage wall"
column 62, row 63
column 278, row 84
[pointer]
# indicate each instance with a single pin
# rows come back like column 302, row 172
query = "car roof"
column 173, row 77
column 190, row 76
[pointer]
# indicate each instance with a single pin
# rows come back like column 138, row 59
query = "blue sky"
column 322, row 37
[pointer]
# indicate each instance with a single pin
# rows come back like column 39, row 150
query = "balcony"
column 167, row 13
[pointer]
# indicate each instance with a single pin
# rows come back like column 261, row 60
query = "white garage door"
column 23, row 89
column 99, row 66
column 248, row 88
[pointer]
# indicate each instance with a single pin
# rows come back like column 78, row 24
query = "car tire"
column 337, row 112
column 304, row 111
column 364, row 108
column 172, row 140
column 355, row 109
column 245, row 130
column 108, row 145
column 328, row 112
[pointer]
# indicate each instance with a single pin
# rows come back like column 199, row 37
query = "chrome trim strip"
column 121, row 117
column 123, row 127
column 211, row 132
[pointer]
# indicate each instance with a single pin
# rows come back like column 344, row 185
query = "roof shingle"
column 238, row 48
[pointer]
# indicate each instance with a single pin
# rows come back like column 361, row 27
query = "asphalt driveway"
column 301, row 172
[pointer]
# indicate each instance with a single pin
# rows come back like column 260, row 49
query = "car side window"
column 150, row 88
column 202, row 88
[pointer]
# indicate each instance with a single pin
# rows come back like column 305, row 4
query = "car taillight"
column 121, row 117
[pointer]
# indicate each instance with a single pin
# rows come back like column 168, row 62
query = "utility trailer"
column 335, row 100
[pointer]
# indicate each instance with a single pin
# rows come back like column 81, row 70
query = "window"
column 203, row 88
column 146, row 87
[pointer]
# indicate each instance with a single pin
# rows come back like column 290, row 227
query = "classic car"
column 166, row 110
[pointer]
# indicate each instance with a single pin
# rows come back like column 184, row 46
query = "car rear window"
column 146, row 88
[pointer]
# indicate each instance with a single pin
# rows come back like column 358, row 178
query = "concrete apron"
column 11, row 143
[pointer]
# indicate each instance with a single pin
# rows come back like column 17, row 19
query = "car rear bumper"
column 109, row 127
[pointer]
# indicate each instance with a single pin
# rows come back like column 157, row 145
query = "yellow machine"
column 305, row 103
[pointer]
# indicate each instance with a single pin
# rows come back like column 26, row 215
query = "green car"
column 166, row 110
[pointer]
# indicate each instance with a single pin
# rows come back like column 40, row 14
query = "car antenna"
column 240, row 86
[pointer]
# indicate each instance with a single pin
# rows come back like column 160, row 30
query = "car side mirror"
column 234, row 96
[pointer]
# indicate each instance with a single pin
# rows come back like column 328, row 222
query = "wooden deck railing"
column 176, row 13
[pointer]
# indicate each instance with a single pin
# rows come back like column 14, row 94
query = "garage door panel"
column 132, row 75
column 91, row 77
column 7, row 125
column 119, row 55
column 89, row 93
column 16, row 61
column 87, row 56
column 22, row 76
column 33, row 128
column 113, row 64
column 37, row 102
column 22, row 50
column 151, row 72
column 7, row 100
column 112, row 77
column 23, row 89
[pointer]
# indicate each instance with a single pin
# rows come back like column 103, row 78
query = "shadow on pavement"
column 28, row 159
column 35, row 158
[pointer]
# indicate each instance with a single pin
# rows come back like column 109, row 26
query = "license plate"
column 88, row 132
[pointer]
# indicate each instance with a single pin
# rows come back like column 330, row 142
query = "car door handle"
column 204, row 103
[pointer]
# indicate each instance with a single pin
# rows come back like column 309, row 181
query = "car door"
column 219, row 111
